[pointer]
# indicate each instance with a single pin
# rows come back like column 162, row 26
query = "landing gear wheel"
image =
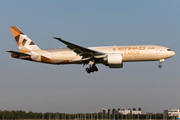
column 91, row 69
column 88, row 70
column 95, row 68
column 160, row 66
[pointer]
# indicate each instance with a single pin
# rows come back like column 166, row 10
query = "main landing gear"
column 92, row 66
column 91, row 69
column 160, row 62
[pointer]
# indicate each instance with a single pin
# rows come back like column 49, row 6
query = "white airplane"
column 112, row 56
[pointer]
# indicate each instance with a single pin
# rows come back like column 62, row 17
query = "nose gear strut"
column 160, row 62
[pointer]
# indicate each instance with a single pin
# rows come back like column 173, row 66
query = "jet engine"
column 114, row 60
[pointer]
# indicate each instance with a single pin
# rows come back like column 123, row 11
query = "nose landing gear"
column 160, row 62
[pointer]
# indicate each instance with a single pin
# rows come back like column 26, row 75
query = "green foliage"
column 10, row 115
column 139, row 109
column 113, row 110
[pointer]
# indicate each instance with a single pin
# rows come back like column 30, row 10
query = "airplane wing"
column 18, row 53
column 82, row 51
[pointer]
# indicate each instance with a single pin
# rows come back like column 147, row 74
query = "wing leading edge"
column 82, row 51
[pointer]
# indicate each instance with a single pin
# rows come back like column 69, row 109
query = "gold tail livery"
column 112, row 56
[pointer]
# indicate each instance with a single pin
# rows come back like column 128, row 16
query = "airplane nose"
column 173, row 53
column 170, row 53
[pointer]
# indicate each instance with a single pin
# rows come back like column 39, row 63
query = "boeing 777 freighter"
column 112, row 56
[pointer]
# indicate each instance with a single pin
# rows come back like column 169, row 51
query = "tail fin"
column 24, row 43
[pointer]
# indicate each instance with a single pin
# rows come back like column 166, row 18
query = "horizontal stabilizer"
column 18, row 53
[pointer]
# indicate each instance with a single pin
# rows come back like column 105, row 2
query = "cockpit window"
column 169, row 50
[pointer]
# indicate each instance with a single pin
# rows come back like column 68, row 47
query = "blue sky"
column 40, row 87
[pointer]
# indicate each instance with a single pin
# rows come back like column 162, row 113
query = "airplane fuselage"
column 130, row 54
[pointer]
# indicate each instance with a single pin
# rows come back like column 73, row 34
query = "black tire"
column 160, row 66
column 95, row 68
column 87, row 69
column 91, row 69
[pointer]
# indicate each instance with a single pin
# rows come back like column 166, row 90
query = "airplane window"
column 169, row 50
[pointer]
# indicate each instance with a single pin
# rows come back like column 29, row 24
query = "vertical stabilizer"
column 24, row 43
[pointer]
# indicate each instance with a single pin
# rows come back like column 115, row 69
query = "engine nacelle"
column 114, row 60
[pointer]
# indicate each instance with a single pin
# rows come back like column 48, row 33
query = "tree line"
column 19, row 114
